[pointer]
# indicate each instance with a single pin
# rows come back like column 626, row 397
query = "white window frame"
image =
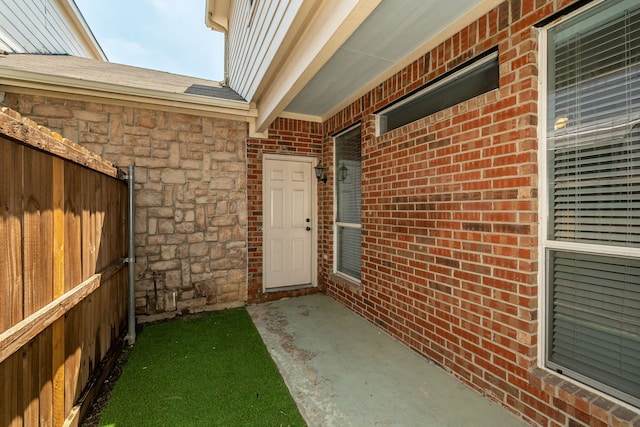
column 544, row 243
column 337, row 224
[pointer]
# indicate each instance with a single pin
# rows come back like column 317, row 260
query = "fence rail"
column 63, row 285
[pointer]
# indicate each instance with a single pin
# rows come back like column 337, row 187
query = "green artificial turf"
column 209, row 370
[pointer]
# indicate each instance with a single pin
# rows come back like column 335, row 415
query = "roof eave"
column 471, row 16
column 187, row 103
column 332, row 23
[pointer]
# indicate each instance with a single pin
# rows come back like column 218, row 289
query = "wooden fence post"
column 58, row 291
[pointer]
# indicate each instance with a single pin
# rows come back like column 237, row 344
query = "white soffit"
column 394, row 30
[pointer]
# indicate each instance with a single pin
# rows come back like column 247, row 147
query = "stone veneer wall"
column 191, row 203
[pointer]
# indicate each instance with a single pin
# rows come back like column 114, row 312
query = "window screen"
column 593, row 166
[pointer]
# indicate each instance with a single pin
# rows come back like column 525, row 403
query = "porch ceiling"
column 395, row 30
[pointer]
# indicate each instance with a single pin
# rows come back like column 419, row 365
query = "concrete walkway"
column 343, row 371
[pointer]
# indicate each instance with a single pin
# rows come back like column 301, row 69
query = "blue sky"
column 166, row 35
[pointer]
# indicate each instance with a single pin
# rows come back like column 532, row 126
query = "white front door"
column 289, row 223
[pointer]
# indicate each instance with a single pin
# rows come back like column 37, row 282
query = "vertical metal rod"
column 226, row 59
column 155, row 288
column 131, row 333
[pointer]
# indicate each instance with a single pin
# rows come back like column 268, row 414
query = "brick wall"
column 450, row 225
column 191, row 222
column 286, row 137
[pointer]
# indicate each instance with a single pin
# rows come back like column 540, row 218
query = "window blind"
column 594, row 137
column 348, row 259
column 596, row 318
column 596, row 193
column 593, row 167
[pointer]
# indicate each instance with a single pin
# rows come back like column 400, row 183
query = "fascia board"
column 217, row 15
column 47, row 82
column 301, row 117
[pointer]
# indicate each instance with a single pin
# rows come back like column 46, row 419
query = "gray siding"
column 256, row 33
column 43, row 26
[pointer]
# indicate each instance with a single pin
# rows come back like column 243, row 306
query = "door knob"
column 308, row 228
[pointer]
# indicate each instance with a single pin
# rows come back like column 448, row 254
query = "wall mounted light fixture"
column 344, row 172
column 320, row 176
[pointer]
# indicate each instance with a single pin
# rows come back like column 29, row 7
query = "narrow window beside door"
column 348, row 194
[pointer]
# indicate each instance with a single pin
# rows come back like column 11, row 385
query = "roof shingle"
column 92, row 70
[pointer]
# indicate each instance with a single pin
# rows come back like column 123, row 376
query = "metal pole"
column 131, row 332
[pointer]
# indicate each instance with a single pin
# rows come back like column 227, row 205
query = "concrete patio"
column 343, row 371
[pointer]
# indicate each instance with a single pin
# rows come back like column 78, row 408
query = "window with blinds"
column 593, row 192
column 348, row 200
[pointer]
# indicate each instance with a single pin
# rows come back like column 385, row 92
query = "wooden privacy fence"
column 63, row 285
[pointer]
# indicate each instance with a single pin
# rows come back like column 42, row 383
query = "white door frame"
column 313, row 161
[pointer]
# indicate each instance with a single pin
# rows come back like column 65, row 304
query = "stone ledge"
column 345, row 282
column 583, row 407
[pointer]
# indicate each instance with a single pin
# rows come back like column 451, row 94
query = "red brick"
column 450, row 218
